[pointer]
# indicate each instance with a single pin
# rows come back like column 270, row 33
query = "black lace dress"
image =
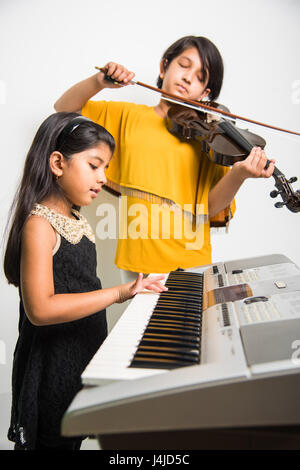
column 49, row 360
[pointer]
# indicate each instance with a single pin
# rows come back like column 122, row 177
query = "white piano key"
column 115, row 355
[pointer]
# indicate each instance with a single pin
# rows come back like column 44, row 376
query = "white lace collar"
column 71, row 229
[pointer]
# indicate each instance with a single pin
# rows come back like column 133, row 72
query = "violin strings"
column 199, row 108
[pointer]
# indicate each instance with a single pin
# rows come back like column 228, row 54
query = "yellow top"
column 157, row 173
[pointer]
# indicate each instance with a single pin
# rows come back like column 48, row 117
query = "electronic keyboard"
column 219, row 350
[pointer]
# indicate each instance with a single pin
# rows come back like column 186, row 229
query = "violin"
column 229, row 145
column 211, row 124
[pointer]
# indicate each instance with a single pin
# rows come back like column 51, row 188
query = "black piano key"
column 184, row 351
column 158, row 363
column 180, row 299
column 178, row 311
column 185, row 276
column 189, row 286
column 167, row 352
column 176, row 298
column 172, row 310
column 176, row 336
column 179, row 295
column 190, row 306
column 184, row 318
column 195, row 305
column 171, row 331
column 167, row 342
column 172, row 337
column 182, row 325
column 164, row 355
column 173, row 320
column 184, row 285
column 179, row 314
column 178, row 318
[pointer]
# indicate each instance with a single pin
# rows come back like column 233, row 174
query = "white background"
column 46, row 46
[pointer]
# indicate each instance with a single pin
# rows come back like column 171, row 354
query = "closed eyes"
column 94, row 167
column 185, row 66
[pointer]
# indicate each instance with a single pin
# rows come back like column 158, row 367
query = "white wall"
column 46, row 46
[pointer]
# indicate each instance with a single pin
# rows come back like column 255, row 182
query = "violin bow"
column 199, row 105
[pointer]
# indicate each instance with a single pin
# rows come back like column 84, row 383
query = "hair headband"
column 69, row 128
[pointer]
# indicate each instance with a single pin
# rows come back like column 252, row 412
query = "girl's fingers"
column 154, row 288
column 154, row 280
column 150, row 283
column 253, row 156
column 269, row 171
column 130, row 77
column 256, row 164
column 262, row 161
column 157, row 286
column 257, row 158
column 123, row 76
column 110, row 68
column 118, row 72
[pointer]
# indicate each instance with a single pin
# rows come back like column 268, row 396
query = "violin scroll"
column 290, row 198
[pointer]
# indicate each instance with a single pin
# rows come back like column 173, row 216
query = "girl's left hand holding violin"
column 151, row 283
column 254, row 166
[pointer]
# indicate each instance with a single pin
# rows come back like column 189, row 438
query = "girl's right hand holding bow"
column 74, row 99
column 117, row 72
column 151, row 283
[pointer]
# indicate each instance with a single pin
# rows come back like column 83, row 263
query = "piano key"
column 179, row 336
column 166, row 319
column 192, row 329
column 186, row 318
column 167, row 342
column 129, row 335
column 195, row 307
column 171, row 331
column 166, row 355
column 186, row 284
column 182, row 302
column 187, row 352
column 158, row 363
column 180, row 311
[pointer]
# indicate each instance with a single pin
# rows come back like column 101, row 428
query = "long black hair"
column 210, row 56
column 38, row 182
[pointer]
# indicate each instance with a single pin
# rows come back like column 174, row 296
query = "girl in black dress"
column 51, row 258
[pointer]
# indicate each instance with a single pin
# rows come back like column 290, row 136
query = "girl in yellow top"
column 172, row 193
